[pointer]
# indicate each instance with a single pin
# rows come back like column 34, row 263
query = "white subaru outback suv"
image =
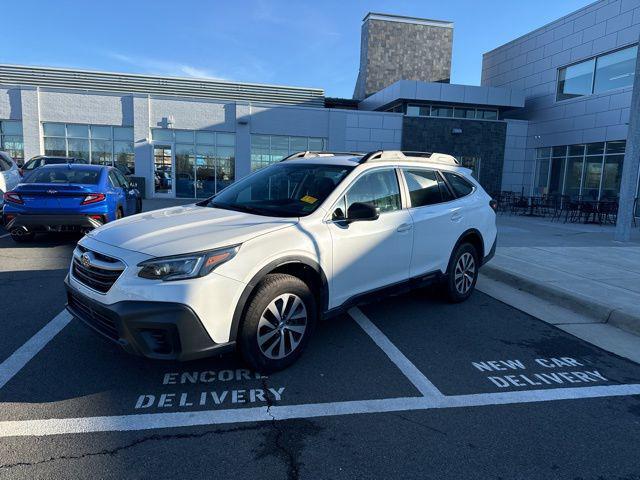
column 257, row 265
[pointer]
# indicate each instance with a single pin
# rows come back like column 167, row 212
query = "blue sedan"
column 62, row 198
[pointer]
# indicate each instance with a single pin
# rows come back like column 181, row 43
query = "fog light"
column 157, row 340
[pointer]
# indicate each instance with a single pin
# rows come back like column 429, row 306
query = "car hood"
column 186, row 229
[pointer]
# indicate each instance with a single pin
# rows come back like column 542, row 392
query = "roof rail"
column 387, row 155
column 313, row 153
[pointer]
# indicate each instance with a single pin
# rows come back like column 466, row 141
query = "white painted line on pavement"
column 12, row 365
column 5, row 235
column 422, row 383
column 149, row 421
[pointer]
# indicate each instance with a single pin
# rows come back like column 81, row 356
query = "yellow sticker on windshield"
column 309, row 199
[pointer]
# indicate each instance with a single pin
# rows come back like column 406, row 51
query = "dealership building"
column 550, row 115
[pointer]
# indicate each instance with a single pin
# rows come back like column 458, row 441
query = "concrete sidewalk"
column 577, row 267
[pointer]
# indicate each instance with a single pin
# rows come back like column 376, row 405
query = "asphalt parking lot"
column 408, row 387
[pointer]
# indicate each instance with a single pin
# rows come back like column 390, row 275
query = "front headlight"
column 181, row 267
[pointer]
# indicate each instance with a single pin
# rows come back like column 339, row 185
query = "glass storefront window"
column 56, row 147
column 581, row 170
column 573, row 176
column 78, row 131
column 101, row 152
column 226, row 139
column 11, row 139
column 612, row 176
column 592, row 177
column 204, row 160
column 94, row 143
column 54, row 130
column 267, row 149
column 124, row 158
column 79, row 148
column 205, row 138
column 184, row 136
column 555, row 175
column 185, row 163
column 123, row 133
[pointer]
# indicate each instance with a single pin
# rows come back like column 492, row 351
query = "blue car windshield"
column 64, row 175
column 282, row 190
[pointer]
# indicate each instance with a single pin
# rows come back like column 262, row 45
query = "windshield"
column 282, row 190
column 64, row 175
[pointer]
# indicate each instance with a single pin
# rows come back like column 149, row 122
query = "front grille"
column 96, row 277
column 93, row 318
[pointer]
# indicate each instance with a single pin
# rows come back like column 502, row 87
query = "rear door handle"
column 405, row 227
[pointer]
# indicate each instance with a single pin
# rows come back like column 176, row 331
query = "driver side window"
column 378, row 188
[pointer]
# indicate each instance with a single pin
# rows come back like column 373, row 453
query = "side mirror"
column 362, row 212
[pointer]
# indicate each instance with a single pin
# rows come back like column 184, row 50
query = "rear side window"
column 64, row 175
column 426, row 187
column 460, row 186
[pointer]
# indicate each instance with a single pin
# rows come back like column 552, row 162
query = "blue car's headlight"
column 181, row 267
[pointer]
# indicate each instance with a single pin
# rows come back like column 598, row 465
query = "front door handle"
column 405, row 227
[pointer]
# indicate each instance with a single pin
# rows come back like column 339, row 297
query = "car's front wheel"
column 462, row 273
column 278, row 323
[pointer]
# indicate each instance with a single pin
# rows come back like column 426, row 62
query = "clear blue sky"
column 304, row 42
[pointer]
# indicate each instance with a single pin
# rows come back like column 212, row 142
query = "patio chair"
column 519, row 204
column 608, row 212
column 572, row 210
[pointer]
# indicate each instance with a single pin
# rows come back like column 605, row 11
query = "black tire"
column 139, row 206
column 24, row 238
column 272, row 289
column 459, row 289
column 119, row 213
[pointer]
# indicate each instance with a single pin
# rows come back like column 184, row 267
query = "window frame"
column 342, row 197
column 595, row 59
column 474, row 188
column 440, row 179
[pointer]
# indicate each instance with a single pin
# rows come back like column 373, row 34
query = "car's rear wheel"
column 119, row 214
column 21, row 236
column 462, row 273
column 279, row 320
column 139, row 206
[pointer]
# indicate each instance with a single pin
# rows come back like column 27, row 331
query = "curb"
column 625, row 320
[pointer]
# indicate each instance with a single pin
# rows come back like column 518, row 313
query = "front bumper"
column 52, row 222
column 159, row 330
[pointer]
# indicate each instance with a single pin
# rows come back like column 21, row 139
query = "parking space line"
column 18, row 359
column 149, row 421
column 422, row 383
column 5, row 235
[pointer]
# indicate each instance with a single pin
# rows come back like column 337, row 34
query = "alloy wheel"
column 282, row 326
column 464, row 273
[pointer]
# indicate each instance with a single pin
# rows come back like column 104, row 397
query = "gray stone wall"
column 392, row 51
column 484, row 139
